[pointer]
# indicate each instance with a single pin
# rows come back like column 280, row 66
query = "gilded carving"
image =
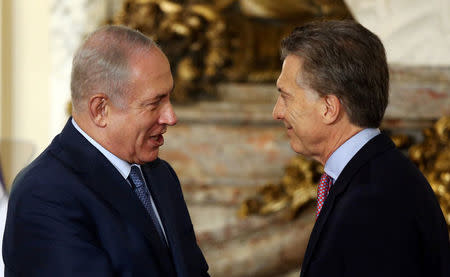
column 432, row 156
column 228, row 40
column 296, row 189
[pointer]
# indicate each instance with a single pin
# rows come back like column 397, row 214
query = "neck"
column 337, row 136
column 84, row 122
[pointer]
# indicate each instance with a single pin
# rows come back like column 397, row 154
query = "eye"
column 153, row 105
column 283, row 95
column 156, row 103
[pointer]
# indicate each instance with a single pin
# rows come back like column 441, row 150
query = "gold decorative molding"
column 221, row 41
column 432, row 156
column 296, row 189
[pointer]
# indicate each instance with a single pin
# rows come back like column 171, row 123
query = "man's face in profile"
column 299, row 109
column 136, row 129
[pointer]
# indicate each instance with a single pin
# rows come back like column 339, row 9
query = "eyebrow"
column 163, row 94
column 159, row 96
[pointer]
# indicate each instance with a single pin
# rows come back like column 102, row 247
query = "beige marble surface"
column 254, row 246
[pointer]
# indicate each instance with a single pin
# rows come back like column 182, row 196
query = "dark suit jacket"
column 71, row 213
column 381, row 219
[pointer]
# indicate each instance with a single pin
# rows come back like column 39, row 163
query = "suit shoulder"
column 393, row 174
column 46, row 176
column 163, row 164
column 396, row 166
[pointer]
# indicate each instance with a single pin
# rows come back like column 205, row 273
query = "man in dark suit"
column 376, row 213
column 98, row 201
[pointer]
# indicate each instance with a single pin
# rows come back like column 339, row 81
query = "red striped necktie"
column 322, row 191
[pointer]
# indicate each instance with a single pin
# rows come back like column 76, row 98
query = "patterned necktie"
column 143, row 194
column 322, row 191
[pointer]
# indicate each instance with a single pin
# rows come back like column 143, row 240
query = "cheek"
column 120, row 131
column 293, row 115
column 145, row 130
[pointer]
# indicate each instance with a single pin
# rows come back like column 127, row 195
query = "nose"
column 168, row 116
column 277, row 112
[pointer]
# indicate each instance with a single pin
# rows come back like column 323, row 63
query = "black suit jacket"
column 381, row 218
column 71, row 213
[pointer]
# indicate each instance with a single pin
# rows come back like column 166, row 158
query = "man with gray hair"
column 98, row 201
column 376, row 213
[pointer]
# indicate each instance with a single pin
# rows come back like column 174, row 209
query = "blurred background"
column 249, row 195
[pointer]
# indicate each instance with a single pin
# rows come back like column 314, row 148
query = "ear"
column 98, row 109
column 331, row 109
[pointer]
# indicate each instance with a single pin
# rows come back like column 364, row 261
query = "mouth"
column 288, row 129
column 158, row 139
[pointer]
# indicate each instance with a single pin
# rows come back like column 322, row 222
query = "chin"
column 297, row 148
column 149, row 157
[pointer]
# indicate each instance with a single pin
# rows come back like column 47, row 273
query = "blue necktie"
column 143, row 194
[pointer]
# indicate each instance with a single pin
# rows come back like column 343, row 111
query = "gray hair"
column 101, row 64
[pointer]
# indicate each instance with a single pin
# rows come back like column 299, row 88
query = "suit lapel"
column 158, row 176
column 107, row 183
column 375, row 146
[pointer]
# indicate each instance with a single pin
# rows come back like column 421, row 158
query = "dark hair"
column 102, row 63
column 344, row 59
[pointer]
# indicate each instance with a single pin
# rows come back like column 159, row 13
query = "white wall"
column 1, row 66
column 25, row 82
column 414, row 32
column 30, row 67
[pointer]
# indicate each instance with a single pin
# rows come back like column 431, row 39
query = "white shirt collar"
column 340, row 158
column 122, row 166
